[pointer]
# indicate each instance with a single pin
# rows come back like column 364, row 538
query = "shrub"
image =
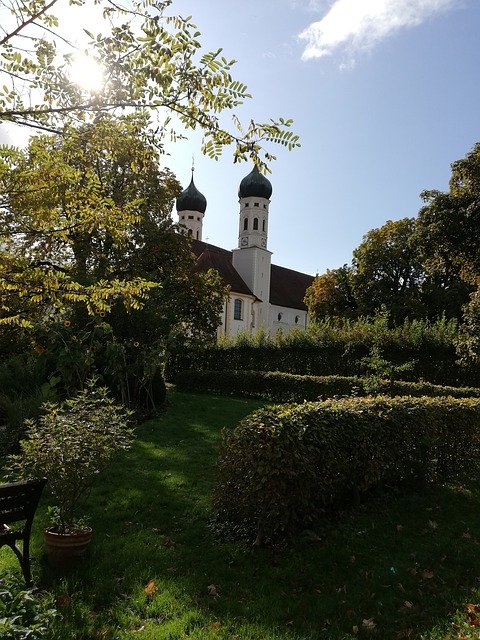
column 24, row 613
column 282, row 466
column 70, row 445
column 338, row 348
column 286, row 387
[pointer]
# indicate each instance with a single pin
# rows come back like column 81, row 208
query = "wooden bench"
column 18, row 502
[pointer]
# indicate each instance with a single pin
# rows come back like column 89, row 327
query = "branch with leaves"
column 152, row 61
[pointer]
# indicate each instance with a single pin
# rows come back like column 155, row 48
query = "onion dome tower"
column 252, row 259
column 191, row 206
column 254, row 198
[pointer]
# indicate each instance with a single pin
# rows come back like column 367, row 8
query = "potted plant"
column 70, row 445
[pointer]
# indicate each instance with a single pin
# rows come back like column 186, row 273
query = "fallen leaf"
column 355, row 630
column 212, row 590
column 151, row 588
column 168, row 543
column 63, row 600
column 216, row 625
column 473, row 614
column 467, row 535
column 432, row 524
column 399, row 527
column 407, row 604
column 427, row 574
column 368, row 624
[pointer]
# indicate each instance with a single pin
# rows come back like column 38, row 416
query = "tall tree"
column 85, row 220
column 448, row 224
column 388, row 271
column 91, row 262
column 331, row 295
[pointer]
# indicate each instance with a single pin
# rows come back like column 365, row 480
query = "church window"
column 263, row 225
column 256, row 204
column 190, row 217
column 264, row 206
column 197, row 235
column 183, row 217
column 198, row 219
column 237, row 309
column 245, row 224
column 190, row 232
column 247, row 204
column 255, row 224
column 279, row 317
column 297, row 318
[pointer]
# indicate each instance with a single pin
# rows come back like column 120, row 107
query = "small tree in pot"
column 70, row 445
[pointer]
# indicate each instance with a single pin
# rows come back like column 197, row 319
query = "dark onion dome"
column 255, row 184
column 191, row 199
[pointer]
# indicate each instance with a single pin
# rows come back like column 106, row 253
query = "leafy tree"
column 331, row 295
column 448, row 224
column 92, row 263
column 388, row 270
column 468, row 341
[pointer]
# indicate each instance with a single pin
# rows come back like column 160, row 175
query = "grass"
column 403, row 566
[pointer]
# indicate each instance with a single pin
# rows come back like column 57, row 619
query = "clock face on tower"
column 264, row 242
column 244, row 242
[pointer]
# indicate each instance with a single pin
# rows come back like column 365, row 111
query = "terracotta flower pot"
column 64, row 550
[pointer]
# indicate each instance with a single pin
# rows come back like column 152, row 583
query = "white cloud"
column 355, row 25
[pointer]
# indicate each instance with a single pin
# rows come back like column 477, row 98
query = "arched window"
column 245, row 224
column 190, row 232
column 297, row 318
column 279, row 317
column 263, row 225
column 197, row 235
column 237, row 309
column 255, row 224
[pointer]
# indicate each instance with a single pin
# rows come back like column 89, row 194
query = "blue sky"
column 385, row 95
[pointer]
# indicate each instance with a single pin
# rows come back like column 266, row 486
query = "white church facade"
column 262, row 295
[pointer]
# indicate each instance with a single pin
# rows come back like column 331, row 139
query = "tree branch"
column 27, row 22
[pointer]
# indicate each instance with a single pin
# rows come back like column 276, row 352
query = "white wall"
column 228, row 324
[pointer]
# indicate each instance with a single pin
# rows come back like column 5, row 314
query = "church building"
column 262, row 295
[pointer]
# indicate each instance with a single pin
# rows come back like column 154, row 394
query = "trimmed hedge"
column 282, row 466
column 285, row 387
column 436, row 364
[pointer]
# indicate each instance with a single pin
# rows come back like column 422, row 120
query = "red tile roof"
column 211, row 257
column 287, row 287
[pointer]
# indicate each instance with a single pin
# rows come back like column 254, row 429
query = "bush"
column 70, row 445
column 285, row 387
column 338, row 348
column 284, row 465
column 24, row 613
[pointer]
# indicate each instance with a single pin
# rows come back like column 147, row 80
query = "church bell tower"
column 252, row 259
column 191, row 206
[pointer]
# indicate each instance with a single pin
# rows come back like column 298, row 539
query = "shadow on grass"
column 402, row 563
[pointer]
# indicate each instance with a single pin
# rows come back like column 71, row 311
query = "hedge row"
column 434, row 363
column 285, row 387
column 284, row 465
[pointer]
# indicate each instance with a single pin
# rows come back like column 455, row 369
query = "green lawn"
column 398, row 567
